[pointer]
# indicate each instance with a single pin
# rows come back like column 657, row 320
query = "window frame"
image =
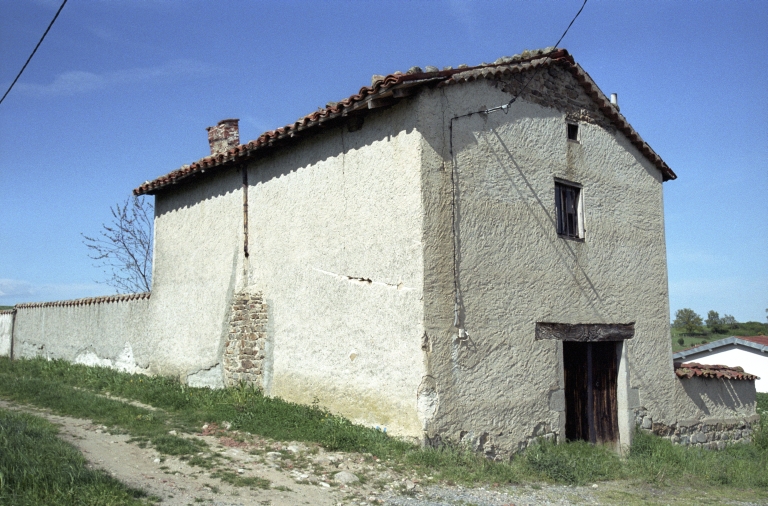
column 565, row 226
column 577, row 131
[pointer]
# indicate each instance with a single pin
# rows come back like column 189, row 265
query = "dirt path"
column 296, row 474
column 242, row 469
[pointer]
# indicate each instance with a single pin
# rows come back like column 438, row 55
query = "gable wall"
column 499, row 388
column 335, row 248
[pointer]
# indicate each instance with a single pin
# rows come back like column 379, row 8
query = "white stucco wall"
column 6, row 327
column 109, row 334
column 751, row 360
column 335, row 227
column 197, row 267
column 513, row 270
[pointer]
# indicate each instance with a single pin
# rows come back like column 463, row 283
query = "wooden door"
column 590, row 371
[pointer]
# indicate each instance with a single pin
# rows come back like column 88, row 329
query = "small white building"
column 749, row 353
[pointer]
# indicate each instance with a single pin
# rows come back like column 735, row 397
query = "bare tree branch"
column 124, row 247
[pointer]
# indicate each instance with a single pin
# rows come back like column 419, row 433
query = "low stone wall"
column 244, row 350
column 711, row 434
column 109, row 331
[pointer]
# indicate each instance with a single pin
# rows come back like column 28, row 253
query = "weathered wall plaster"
column 335, row 247
column 105, row 331
column 512, row 268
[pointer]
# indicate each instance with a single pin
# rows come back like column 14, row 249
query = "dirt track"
column 297, row 474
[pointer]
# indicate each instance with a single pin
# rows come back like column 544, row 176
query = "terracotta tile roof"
column 691, row 369
column 763, row 340
column 86, row 301
column 386, row 90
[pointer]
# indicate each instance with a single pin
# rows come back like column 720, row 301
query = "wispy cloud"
column 78, row 81
column 15, row 288
column 464, row 12
column 14, row 291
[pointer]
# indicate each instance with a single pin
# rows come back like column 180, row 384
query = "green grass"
column 79, row 391
column 36, row 467
column 662, row 463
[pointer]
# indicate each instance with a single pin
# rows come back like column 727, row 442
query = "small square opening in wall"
column 569, row 211
column 573, row 132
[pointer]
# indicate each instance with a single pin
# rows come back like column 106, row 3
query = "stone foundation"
column 709, row 434
column 244, row 350
column 489, row 446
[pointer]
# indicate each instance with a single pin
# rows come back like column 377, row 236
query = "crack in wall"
column 366, row 281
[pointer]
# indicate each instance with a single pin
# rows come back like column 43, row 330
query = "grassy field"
column 690, row 340
column 36, row 467
column 83, row 392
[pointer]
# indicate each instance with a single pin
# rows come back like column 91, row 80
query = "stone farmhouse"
column 470, row 254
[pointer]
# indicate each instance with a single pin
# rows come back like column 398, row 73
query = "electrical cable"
column 505, row 109
column 34, row 51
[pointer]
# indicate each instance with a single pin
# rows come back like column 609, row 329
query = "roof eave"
column 389, row 90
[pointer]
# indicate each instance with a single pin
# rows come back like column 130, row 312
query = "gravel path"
column 517, row 496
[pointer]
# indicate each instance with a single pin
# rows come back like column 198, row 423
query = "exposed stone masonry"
column 244, row 350
column 713, row 435
column 556, row 87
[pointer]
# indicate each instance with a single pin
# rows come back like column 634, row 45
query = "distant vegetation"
column 3, row 308
column 689, row 329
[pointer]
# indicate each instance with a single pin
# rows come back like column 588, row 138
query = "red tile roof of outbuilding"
column 691, row 369
column 393, row 87
column 755, row 339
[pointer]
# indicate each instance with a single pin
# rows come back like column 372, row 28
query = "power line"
column 33, row 51
column 456, row 297
column 533, row 74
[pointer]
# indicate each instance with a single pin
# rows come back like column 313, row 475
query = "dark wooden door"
column 590, row 391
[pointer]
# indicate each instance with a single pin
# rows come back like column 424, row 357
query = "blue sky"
column 121, row 92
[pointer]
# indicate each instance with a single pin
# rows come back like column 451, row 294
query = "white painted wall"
column 197, row 267
column 6, row 327
column 751, row 360
column 109, row 334
column 325, row 216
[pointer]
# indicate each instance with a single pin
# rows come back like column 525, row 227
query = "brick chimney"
column 225, row 135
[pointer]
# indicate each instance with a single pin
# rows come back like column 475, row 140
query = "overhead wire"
column 33, row 51
column 505, row 109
